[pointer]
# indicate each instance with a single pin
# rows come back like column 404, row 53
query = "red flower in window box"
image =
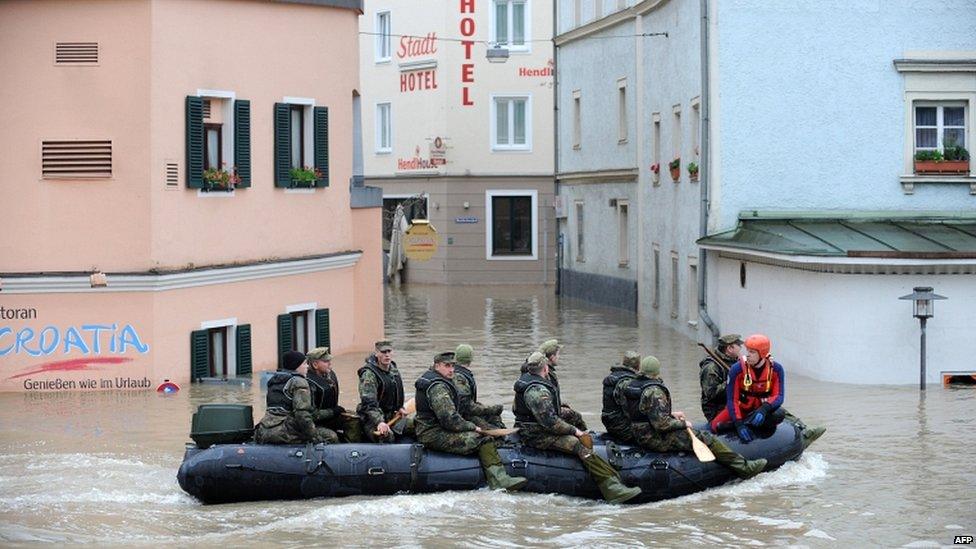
column 656, row 168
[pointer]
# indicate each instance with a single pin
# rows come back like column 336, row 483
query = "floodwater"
column 892, row 470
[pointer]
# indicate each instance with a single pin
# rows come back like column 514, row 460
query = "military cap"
column 292, row 360
column 650, row 367
column 549, row 347
column 730, row 339
column 319, row 353
column 631, row 360
column 384, row 345
column 463, row 353
column 447, row 357
column 535, row 358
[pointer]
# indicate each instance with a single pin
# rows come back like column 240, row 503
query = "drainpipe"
column 555, row 141
column 705, row 169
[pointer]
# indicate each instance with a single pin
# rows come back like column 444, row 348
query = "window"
column 510, row 24
column 693, row 291
column 511, row 123
column 301, row 141
column 674, row 285
column 695, row 129
column 218, row 352
column 513, row 215
column 299, row 332
column 623, row 233
column 218, row 136
column 383, row 128
column 577, row 123
column 301, row 328
column 383, row 36
column 297, row 156
column 622, row 111
column 579, row 232
column 656, row 300
column 676, row 132
column 656, row 170
column 212, row 148
column 939, row 125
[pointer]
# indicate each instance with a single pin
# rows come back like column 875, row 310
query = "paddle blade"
column 410, row 406
column 498, row 432
column 587, row 440
column 701, row 451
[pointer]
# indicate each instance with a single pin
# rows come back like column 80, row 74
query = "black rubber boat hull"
column 249, row 472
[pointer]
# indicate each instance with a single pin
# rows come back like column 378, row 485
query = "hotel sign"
column 420, row 240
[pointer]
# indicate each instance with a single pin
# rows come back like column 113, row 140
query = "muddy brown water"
column 892, row 470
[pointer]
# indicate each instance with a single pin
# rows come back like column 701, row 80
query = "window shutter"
column 323, row 337
column 199, row 354
column 242, row 141
column 282, row 145
column 284, row 337
column 194, row 142
column 321, row 144
column 244, row 350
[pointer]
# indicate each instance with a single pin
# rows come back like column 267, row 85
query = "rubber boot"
column 495, row 472
column 739, row 465
column 608, row 481
column 810, row 434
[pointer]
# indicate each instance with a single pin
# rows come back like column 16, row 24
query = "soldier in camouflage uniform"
column 288, row 419
column 439, row 424
column 325, row 397
column 614, row 415
column 482, row 415
column 659, row 429
column 381, row 395
column 714, row 376
column 536, row 416
column 550, row 349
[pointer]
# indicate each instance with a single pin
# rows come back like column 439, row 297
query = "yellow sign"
column 420, row 241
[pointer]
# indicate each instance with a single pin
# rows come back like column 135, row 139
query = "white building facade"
column 472, row 138
column 812, row 214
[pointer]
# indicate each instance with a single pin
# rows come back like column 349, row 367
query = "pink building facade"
column 174, row 191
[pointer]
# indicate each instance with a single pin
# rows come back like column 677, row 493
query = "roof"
column 911, row 235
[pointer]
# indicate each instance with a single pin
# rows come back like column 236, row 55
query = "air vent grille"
column 206, row 108
column 76, row 53
column 76, row 159
column 172, row 174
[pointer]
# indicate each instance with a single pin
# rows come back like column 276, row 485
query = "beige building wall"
column 177, row 260
column 453, row 101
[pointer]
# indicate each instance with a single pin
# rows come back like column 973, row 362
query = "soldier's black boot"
column 495, row 472
column 608, row 481
column 742, row 467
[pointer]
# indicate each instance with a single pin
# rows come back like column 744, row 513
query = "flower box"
column 675, row 168
column 942, row 167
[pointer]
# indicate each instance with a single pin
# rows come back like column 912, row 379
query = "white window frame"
column 227, row 98
column 656, row 136
column 692, row 291
column 380, row 149
column 309, row 309
column 940, row 126
column 676, row 133
column 579, row 223
column 656, row 268
column 527, row 147
column 489, row 236
column 675, row 284
column 695, row 130
column 622, row 122
column 623, row 233
column 230, row 344
column 308, row 133
column 383, row 35
column 493, row 26
column 577, row 120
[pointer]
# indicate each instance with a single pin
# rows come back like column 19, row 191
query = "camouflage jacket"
column 448, row 418
column 470, row 406
column 301, row 396
column 539, row 400
column 655, row 407
column 714, row 378
column 369, row 407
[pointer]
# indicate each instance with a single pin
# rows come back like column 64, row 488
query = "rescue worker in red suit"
column 755, row 392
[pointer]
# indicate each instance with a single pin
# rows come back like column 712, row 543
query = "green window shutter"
column 244, row 350
column 282, row 145
column 199, row 354
column 242, row 141
column 320, row 117
column 323, row 337
column 284, row 337
column 194, row 142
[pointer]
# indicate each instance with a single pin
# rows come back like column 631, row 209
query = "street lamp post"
column 924, row 309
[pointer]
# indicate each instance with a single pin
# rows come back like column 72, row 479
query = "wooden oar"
column 586, row 440
column 410, row 406
column 498, row 432
column 702, row 451
column 714, row 357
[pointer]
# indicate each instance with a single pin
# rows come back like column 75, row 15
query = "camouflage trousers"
column 487, row 422
column 572, row 417
column 437, row 438
column 349, row 429
column 404, row 427
column 282, row 429
column 671, row 441
column 538, row 437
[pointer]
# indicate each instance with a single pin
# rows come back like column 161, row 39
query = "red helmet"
column 759, row 343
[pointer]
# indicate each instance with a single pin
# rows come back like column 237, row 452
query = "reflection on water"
column 891, row 470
